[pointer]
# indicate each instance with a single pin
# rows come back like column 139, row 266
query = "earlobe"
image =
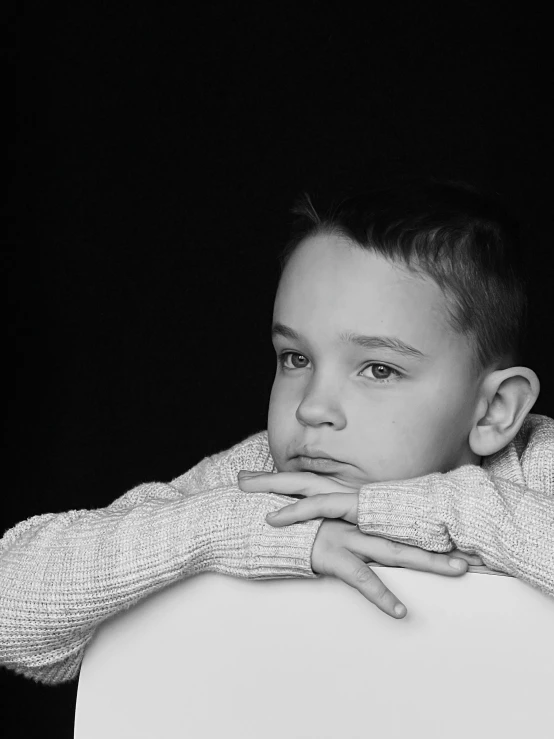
column 505, row 399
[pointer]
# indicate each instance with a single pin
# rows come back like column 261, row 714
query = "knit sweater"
column 61, row 575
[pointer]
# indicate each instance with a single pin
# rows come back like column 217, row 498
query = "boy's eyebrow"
column 350, row 337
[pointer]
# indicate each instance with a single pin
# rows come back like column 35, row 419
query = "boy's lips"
column 314, row 453
column 318, row 464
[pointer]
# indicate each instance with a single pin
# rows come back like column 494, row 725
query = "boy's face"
column 408, row 418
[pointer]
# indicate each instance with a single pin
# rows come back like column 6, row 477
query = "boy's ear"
column 505, row 398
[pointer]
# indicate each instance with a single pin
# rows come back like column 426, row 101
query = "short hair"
column 457, row 234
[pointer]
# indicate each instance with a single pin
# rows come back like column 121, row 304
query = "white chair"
column 219, row 657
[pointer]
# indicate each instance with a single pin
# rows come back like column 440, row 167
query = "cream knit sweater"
column 62, row 574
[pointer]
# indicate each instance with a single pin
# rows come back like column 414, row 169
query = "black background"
column 159, row 151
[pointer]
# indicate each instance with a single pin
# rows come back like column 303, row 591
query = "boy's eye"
column 380, row 372
column 283, row 358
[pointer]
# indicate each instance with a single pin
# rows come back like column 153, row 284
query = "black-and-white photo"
column 281, row 441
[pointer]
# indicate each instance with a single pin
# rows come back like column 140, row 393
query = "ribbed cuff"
column 284, row 551
column 237, row 540
column 408, row 511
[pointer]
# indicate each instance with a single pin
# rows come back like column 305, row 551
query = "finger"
column 351, row 570
column 472, row 559
column 285, row 483
column 324, row 505
column 396, row 554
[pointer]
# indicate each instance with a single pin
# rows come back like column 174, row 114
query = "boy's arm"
column 62, row 574
column 508, row 524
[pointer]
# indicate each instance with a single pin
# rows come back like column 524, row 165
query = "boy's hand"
column 322, row 497
column 340, row 548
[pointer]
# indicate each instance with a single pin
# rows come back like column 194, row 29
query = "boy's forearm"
column 62, row 575
column 509, row 526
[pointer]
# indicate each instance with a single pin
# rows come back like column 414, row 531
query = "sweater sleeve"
column 61, row 575
column 504, row 520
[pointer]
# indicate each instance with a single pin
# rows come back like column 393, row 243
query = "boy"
column 396, row 324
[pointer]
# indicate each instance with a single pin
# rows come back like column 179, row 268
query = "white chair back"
column 216, row 656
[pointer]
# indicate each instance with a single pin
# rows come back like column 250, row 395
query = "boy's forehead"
column 336, row 262
column 334, row 282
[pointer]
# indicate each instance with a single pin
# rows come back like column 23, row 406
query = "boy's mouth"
column 319, row 465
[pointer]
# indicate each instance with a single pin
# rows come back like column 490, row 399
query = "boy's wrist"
column 239, row 541
column 283, row 552
column 404, row 510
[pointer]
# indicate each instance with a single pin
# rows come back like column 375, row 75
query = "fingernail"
column 457, row 564
column 399, row 609
column 272, row 515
